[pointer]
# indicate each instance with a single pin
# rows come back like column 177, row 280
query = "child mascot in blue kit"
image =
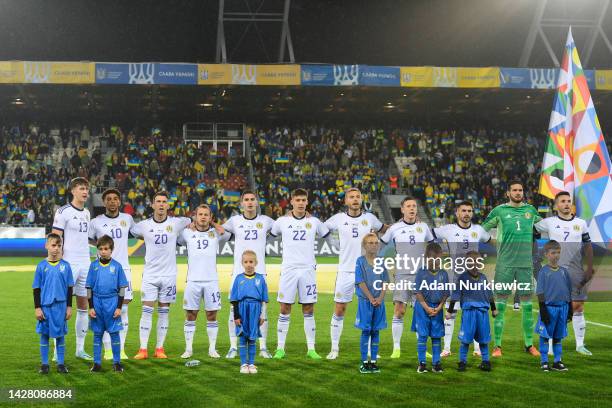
column 52, row 287
column 106, row 283
column 249, row 292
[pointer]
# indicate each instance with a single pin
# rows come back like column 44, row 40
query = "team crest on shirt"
column 169, row 228
column 62, row 267
column 257, row 282
column 364, row 223
column 474, row 234
column 259, row 225
column 419, row 230
column 123, row 223
column 308, row 225
column 112, row 269
column 211, row 234
column 527, row 215
column 576, row 227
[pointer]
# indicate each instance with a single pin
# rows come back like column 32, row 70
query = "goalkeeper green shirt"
column 514, row 233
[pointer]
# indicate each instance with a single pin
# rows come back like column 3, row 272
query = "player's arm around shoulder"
column 277, row 227
column 492, row 219
column 322, row 230
column 542, row 226
column 181, row 239
column 91, row 232
column 229, row 224
column 138, row 229
column 536, row 215
column 184, row 222
column 388, row 235
column 332, row 222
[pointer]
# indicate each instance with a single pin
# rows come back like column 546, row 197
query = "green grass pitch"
column 515, row 381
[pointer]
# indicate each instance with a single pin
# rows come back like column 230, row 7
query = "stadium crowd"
column 441, row 167
column 327, row 161
column 449, row 166
column 33, row 180
column 37, row 163
column 141, row 165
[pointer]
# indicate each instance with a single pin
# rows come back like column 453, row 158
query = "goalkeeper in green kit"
column 515, row 222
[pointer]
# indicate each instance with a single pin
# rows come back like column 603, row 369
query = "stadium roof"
column 381, row 32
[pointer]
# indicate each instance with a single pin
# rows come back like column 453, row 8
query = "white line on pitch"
column 536, row 310
column 599, row 324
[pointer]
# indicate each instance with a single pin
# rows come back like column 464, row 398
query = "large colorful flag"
column 576, row 158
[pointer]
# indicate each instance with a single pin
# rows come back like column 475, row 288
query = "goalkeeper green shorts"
column 507, row 275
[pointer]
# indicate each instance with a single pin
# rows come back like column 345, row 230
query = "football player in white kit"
column 72, row 221
column 410, row 238
column 573, row 235
column 298, row 269
column 202, row 279
column 352, row 226
column 160, row 233
column 250, row 231
column 118, row 226
column 461, row 238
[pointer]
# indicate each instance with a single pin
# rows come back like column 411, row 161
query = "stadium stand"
column 36, row 164
column 326, row 161
column 440, row 167
column 447, row 166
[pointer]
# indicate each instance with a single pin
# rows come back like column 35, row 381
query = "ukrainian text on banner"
column 176, row 74
column 46, row 72
column 379, row 75
column 416, row 77
column 603, row 79
column 214, row 74
column 278, row 75
column 478, row 77
column 11, row 72
column 72, row 72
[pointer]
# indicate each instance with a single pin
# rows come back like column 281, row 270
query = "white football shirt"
column 118, row 228
column 75, row 225
column 249, row 234
column 202, row 248
column 461, row 240
column 571, row 234
column 350, row 233
column 410, row 240
column 160, row 242
column 299, row 238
